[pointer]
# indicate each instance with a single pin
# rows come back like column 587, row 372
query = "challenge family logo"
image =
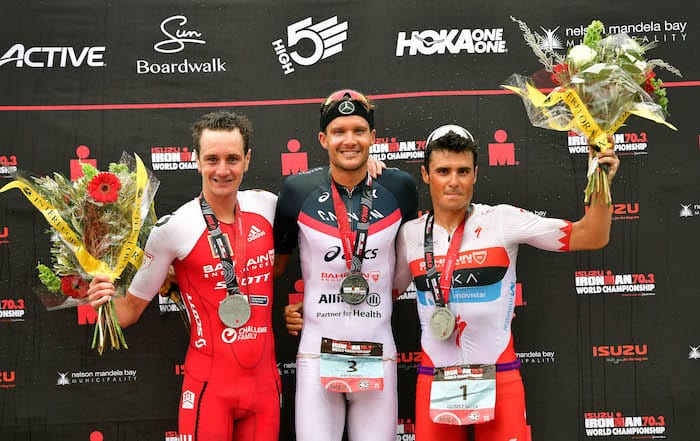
column 53, row 57
column 178, row 37
column 616, row 424
column 391, row 149
column 12, row 310
column 320, row 40
column 173, row 158
column 451, row 41
column 606, row 282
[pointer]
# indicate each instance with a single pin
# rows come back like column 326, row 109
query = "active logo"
column 177, row 39
column 323, row 40
column 451, row 41
column 39, row 57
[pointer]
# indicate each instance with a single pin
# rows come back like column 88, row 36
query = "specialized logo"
column 453, row 41
column 615, row 423
column 173, row 158
column 54, row 56
column 324, row 40
column 606, row 282
column 188, row 399
column 390, row 149
column 255, row 233
column 177, row 38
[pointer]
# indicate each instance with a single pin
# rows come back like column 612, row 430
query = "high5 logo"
column 324, row 40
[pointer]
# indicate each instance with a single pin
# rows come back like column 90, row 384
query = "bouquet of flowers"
column 599, row 84
column 99, row 224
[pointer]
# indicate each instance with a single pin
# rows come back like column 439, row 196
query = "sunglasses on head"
column 444, row 130
column 345, row 94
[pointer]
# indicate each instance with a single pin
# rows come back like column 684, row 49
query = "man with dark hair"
column 345, row 224
column 231, row 389
column 462, row 258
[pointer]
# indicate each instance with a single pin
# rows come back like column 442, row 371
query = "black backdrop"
column 105, row 76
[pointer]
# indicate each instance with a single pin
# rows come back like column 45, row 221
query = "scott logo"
column 54, row 56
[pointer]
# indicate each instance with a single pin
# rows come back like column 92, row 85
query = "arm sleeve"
column 521, row 226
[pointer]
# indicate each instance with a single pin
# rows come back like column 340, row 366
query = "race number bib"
column 462, row 395
column 351, row 366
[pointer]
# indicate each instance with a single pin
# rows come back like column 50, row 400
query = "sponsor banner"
column 408, row 361
column 694, row 353
column 391, row 149
column 451, row 42
column 536, row 357
column 91, row 377
column 690, row 210
column 173, row 158
column 316, row 41
column 12, row 310
column 626, row 143
column 616, row 354
column 53, row 57
column 8, row 379
column 607, row 282
column 598, row 424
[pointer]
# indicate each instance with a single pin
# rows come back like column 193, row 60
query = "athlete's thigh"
column 426, row 429
column 262, row 421
column 203, row 416
column 319, row 414
column 509, row 423
column 372, row 416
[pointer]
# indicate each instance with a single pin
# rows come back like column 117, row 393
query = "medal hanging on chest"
column 234, row 310
column 442, row 321
column 354, row 288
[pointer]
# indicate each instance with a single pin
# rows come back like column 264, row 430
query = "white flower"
column 579, row 56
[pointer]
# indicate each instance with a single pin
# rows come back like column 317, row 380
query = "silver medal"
column 234, row 311
column 442, row 323
column 354, row 289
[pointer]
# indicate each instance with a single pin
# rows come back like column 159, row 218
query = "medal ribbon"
column 354, row 253
column 441, row 287
column 221, row 245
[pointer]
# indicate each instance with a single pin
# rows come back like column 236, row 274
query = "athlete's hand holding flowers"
column 598, row 85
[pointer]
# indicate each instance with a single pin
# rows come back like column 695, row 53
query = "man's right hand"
column 100, row 291
column 292, row 316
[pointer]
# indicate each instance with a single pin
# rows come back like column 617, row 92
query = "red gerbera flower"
column 104, row 187
column 649, row 84
column 74, row 286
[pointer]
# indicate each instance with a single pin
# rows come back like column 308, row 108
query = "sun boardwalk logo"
column 324, row 39
column 391, row 149
column 694, row 353
column 689, row 210
column 38, row 57
column 616, row 424
column 452, row 41
column 606, row 282
column 177, row 39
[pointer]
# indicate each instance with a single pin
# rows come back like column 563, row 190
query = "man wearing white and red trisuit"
column 481, row 289
column 231, row 389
